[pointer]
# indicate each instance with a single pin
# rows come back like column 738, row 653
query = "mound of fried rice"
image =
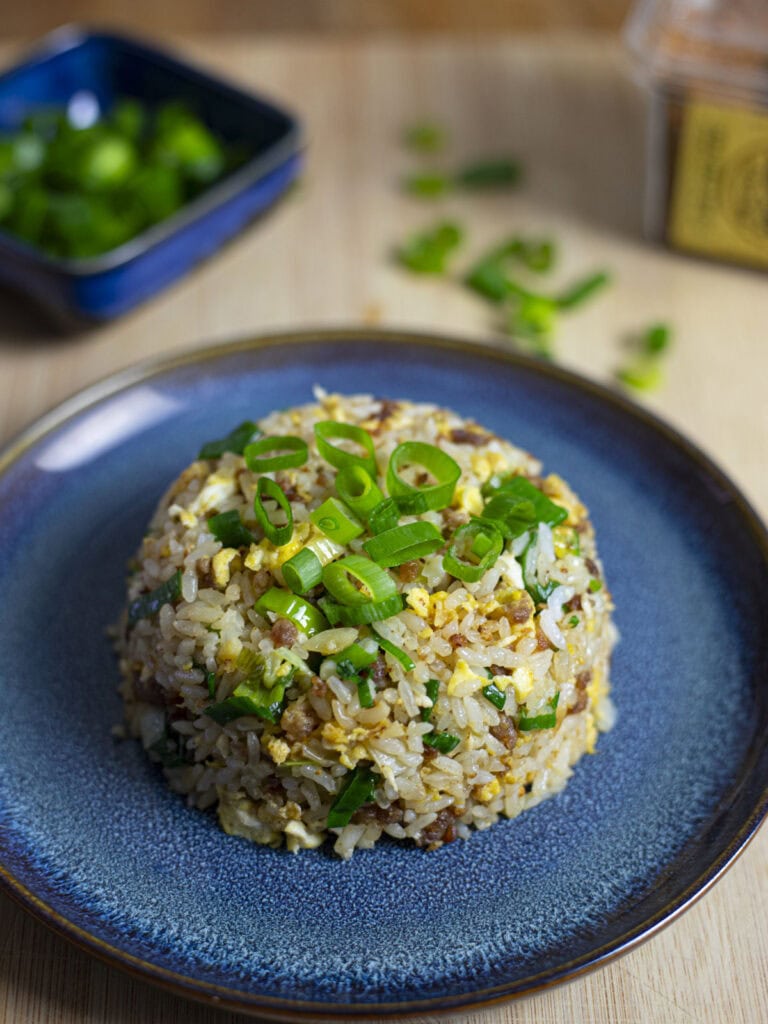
column 275, row 782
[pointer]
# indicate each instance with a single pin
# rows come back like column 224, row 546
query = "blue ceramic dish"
column 93, row 842
column 108, row 66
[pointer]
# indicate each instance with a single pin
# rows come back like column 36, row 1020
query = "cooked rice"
column 453, row 631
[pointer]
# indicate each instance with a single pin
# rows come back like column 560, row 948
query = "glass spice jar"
column 705, row 66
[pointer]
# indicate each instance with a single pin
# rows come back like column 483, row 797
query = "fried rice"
column 472, row 701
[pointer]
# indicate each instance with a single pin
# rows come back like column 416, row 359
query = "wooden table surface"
column 568, row 108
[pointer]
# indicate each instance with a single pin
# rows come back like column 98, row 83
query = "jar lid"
column 715, row 43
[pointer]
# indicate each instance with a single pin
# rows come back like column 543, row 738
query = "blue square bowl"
column 111, row 66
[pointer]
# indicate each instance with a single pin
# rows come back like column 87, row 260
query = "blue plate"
column 107, row 66
column 93, row 842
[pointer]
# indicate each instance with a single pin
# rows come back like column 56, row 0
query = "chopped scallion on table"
column 428, row 251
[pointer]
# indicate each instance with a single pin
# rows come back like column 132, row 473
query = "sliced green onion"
column 582, row 290
column 462, row 544
column 358, row 490
column 302, row 571
column 500, row 172
column 228, row 529
column 427, row 252
column 573, row 621
column 545, row 721
column 336, row 521
column 496, row 696
column 277, row 535
column 425, row 137
column 643, row 373
column 443, row 742
column 353, row 658
column 657, row 339
column 250, row 698
column 210, row 682
column 365, row 693
column 288, row 606
column 339, row 458
column 235, row 441
column 147, row 605
column 397, row 653
column 595, row 585
column 377, row 583
column 404, row 543
column 359, row 788
column 517, row 506
column 432, row 686
column 275, row 453
column 361, row 614
column 427, row 184
column 539, row 592
column 412, row 499
column 384, row 516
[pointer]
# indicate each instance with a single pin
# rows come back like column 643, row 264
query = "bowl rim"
column 283, row 1008
column 279, row 153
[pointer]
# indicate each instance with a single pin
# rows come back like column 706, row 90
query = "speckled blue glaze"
column 122, row 865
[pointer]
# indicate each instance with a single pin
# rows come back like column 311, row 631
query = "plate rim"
column 283, row 1008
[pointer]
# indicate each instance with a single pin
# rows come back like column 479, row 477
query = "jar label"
column 720, row 191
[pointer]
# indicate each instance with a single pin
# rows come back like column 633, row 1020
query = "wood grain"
column 567, row 106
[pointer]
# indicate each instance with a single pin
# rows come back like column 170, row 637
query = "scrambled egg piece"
column 217, row 488
column 221, row 566
column 487, row 463
column 464, row 680
column 469, row 499
column 487, row 792
column 278, row 750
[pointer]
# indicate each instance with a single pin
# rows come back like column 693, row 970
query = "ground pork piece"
column 505, row 732
column 574, row 605
column 542, row 640
column 284, row 633
column 442, row 830
column 372, row 813
column 378, row 672
column 261, row 581
column 457, row 640
column 290, row 490
column 454, row 517
column 319, row 686
column 298, row 720
column 583, row 680
column 460, row 436
column 204, row 573
column 519, row 611
column 386, row 410
column 592, row 567
column 150, row 692
column 408, row 571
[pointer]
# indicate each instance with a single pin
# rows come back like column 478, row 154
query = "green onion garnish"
column 210, row 682
column 545, row 721
column 500, row 172
column 427, row 184
column 277, row 535
column 358, row 490
column 397, row 653
column 358, row 789
column 355, row 657
column 228, row 529
column 428, row 251
column 147, row 605
column 404, row 543
column 365, row 693
column 339, row 458
column 443, row 742
column 375, row 583
column 539, row 592
column 462, row 545
column 425, row 137
column 288, row 606
column 595, row 585
column 384, row 516
column 489, row 279
column 361, row 614
column 573, row 621
column 235, row 441
column 432, row 687
column 496, row 696
column 275, row 453
column 302, row 571
column 336, row 521
column 582, row 290
column 250, row 697
column 516, row 506
column 412, row 499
